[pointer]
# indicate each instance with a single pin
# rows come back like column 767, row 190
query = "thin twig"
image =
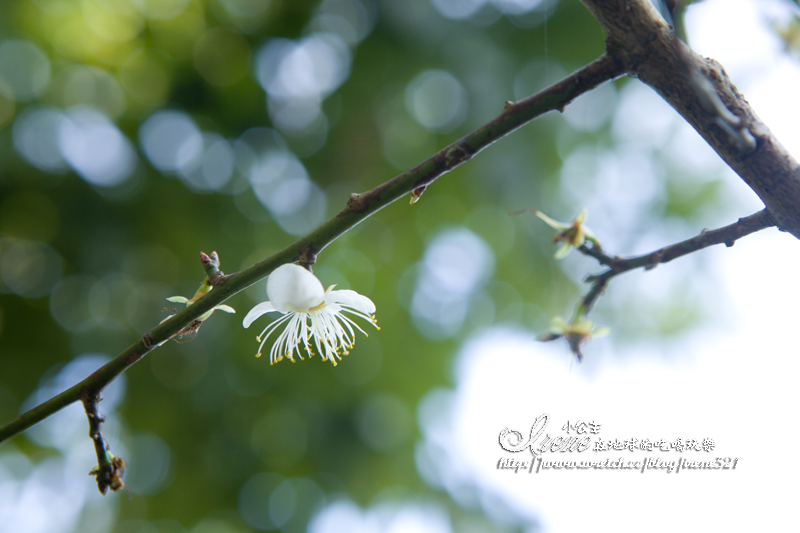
column 727, row 235
column 360, row 206
column 109, row 467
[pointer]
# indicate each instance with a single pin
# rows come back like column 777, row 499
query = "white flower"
column 578, row 331
column 311, row 313
column 570, row 234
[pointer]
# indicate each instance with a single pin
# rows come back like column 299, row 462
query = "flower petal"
column 601, row 332
column 555, row 224
column 257, row 311
column 588, row 234
column 351, row 299
column 563, row 250
column 178, row 299
column 226, row 308
column 583, row 326
column 292, row 288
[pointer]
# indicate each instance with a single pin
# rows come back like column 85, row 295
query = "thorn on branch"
column 416, row 194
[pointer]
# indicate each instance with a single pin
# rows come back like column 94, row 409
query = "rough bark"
column 642, row 41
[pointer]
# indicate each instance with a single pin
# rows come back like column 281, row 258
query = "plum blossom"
column 314, row 317
column 570, row 234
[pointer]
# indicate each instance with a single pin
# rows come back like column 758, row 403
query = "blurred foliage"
column 136, row 133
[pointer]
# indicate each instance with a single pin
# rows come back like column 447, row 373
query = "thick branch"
column 617, row 265
column 360, row 206
column 647, row 47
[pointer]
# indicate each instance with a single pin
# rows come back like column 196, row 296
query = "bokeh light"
column 36, row 138
column 390, row 517
column 170, row 139
column 437, row 100
column 95, row 148
column 298, row 76
column 29, row 268
column 456, row 263
column 90, row 86
column 24, row 70
column 222, row 56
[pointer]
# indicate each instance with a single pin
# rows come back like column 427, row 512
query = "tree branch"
column 647, row 47
column 109, row 467
column 358, row 208
column 727, row 235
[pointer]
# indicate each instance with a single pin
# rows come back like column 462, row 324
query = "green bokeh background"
column 224, row 415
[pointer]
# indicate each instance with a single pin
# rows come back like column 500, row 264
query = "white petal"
column 257, row 311
column 227, row 309
column 555, row 224
column 178, row 299
column 292, row 288
column 562, row 251
column 351, row 299
column 601, row 332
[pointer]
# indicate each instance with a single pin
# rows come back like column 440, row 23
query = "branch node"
column 217, row 279
column 355, row 204
column 147, row 341
column 456, row 154
column 308, row 255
